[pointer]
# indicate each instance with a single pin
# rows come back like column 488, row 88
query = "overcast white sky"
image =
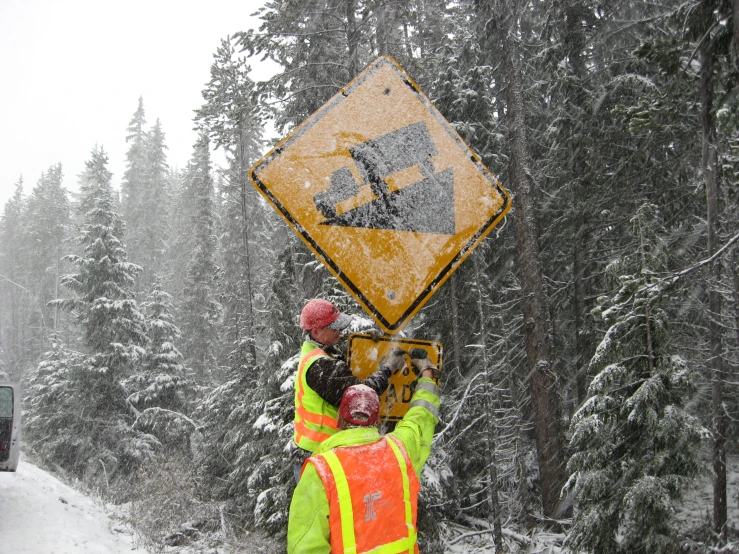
column 72, row 72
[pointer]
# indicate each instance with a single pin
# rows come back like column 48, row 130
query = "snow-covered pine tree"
column 113, row 326
column 98, row 436
column 247, row 424
column 3, row 365
column 538, row 333
column 247, row 421
column 160, row 390
column 315, row 65
column 569, row 30
column 231, row 119
column 728, row 123
column 271, row 478
column 154, row 232
column 181, row 240
column 145, row 197
column 201, row 311
column 135, row 180
column 284, row 302
column 633, row 443
column 477, row 313
column 337, row 40
column 16, row 304
column 712, row 55
column 56, row 422
column 161, row 383
column 46, row 230
column 225, row 415
column 694, row 39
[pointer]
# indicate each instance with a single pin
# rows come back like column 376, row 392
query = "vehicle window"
column 6, row 402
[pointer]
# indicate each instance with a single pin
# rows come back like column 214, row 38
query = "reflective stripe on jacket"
column 315, row 419
column 372, row 492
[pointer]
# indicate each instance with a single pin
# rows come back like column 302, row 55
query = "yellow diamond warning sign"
column 365, row 355
column 384, row 191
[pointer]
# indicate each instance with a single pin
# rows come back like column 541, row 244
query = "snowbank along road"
column 41, row 515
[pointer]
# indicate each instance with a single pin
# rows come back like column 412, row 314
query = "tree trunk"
column 385, row 27
column 735, row 271
column 244, row 185
column 735, row 274
column 493, row 495
column 709, row 162
column 540, row 353
column 579, row 276
column 352, row 38
column 574, row 39
column 456, row 350
column 56, row 290
column 735, row 38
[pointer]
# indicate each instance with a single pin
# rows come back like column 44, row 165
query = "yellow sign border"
column 391, row 327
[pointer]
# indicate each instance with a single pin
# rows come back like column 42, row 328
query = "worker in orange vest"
column 359, row 490
column 323, row 376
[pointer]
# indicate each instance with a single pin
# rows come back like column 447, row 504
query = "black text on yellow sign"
column 384, row 191
column 365, row 356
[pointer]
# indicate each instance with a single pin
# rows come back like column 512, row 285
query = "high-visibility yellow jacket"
column 315, row 419
column 310, row 523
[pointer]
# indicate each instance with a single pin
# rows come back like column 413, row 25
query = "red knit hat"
column 360, row 400
column 319, row 313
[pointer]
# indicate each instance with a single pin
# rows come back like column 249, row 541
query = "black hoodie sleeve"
column 330, row 378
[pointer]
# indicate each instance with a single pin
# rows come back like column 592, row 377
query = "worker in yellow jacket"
column 359, row 490
column 323, row 376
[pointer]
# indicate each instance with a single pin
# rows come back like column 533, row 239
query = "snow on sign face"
column 384, row 191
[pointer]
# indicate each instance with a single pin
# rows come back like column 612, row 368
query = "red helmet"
column 319, row 313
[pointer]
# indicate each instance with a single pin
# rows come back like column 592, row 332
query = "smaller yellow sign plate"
column 364, row 357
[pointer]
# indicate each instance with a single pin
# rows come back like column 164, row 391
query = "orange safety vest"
column 315, row 419
column 372, row 491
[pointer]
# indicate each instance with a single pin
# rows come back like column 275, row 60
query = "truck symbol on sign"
column 426, row 206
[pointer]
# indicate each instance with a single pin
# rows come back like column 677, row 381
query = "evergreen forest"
column 591, row 342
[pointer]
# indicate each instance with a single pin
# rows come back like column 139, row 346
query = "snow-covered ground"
column 41, row 515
